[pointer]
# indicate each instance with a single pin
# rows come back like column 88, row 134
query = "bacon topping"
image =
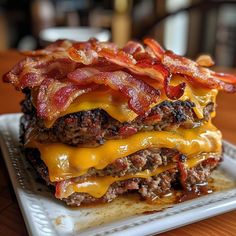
column 31, row 72
column 133, row 48
column 54, row 97
column 140, row 95
column 205, row 60
column 66, row 69
column 193, row 71
column 86, row 57
column 173, row 92
column 155, row 47
column 180, row 159
column 198, row 75
column 151, row 68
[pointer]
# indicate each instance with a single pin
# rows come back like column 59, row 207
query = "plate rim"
column 20, row 182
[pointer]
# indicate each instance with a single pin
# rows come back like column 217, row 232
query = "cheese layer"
column 65, row 161
column 98, row 186
column 117, row 107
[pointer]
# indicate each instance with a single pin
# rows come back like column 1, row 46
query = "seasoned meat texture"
column 148, row 159
column 149, row 188
column 93, row 127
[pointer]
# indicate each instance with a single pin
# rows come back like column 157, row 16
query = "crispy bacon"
column 94, row 44
column 155, row 47
column 133, row 47
column 173, row 92
column 148, row 67
column 65, row 69
column 13, row 76
column 180, row 159
column 97, row 46
column 30, row 72
column 86, row 52
column 140, row 95
column 192, row 70
column 82, row 75
column 227, row 78
column 198, row 75
column 205, row 60
column 55, row 96
column 86, row 57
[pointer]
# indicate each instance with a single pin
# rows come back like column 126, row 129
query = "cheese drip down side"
column 98, row 186
column 65, row 161
column 117, row 107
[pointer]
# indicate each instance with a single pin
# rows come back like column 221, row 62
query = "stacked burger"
column 101, row 121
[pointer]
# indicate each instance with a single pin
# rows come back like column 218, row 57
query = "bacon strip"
column 151, row 68
column 86, row 57
column 205, row 60
column 155, row 47
column 224, row 77
column 13, row 76
column 30, row 72
column 140, row 95
column 133, row 47
column 173, row 92
column 54, row 97
column 66, row 69
column 94, row 44
column 198, row 75
column 86, row 52
column 144, row 65
column 194, row 72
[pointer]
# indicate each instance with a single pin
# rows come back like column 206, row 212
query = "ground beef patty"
column 93, row 127
column 149, row 188
column 148, row 159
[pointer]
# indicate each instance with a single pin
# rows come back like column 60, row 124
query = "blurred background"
column 188, row 27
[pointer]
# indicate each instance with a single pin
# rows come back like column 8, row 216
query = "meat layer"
column 150, row 188
column 93, row 127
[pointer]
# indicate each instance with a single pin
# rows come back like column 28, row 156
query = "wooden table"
column 11, row 221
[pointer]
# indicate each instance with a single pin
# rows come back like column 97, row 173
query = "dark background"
column 189, row 27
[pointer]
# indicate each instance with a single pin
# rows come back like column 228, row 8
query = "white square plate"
column 44, row 215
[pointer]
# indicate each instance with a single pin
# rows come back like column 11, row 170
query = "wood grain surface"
column 11, row 221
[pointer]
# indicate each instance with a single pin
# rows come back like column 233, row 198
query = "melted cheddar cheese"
column 200, row 97
column 109, row 100
column 117, row 107
column 98, row 186
column 65, row 162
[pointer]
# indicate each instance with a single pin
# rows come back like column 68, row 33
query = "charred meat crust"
column 93, row 127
